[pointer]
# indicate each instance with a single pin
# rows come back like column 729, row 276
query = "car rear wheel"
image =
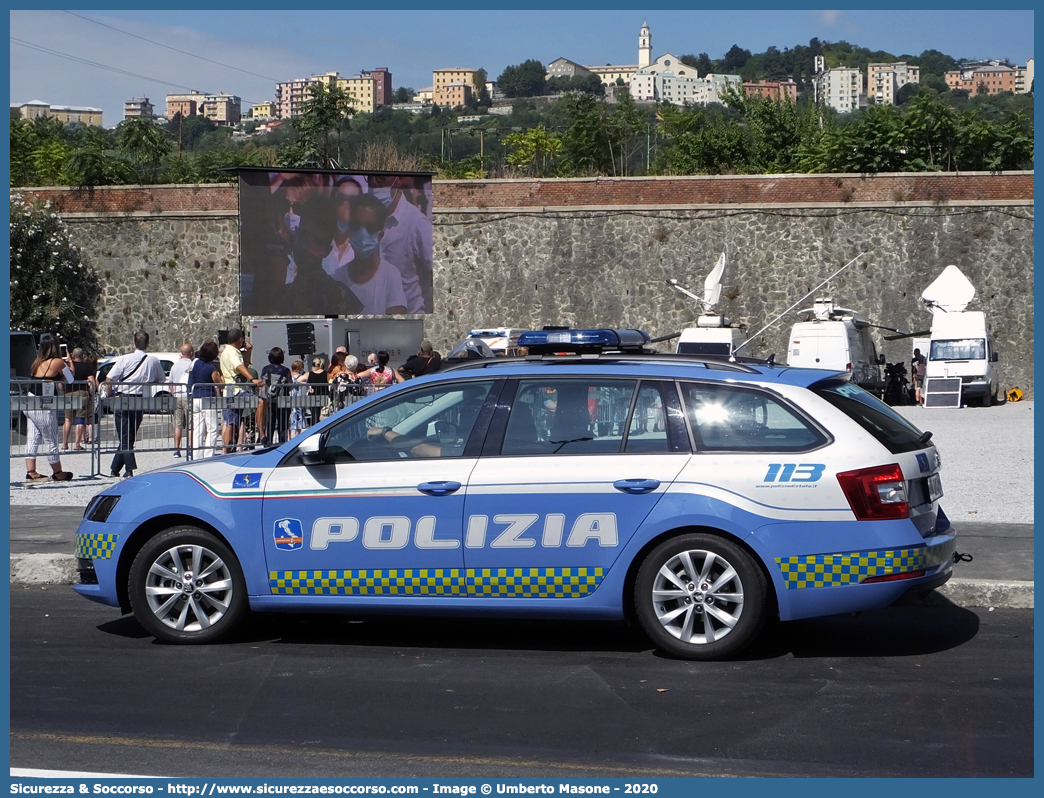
column 186, row 586
column 700, row 596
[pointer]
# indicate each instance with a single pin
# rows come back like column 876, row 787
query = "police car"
column 591, row 479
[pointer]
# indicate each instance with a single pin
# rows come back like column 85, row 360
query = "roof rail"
column 743, row 365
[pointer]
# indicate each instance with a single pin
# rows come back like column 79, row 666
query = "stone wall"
column 597, row 252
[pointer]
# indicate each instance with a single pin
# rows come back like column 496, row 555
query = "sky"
column 104, row 58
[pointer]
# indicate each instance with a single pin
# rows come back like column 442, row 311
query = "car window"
column 725, row 418
column 890, row 429
column 568, row 416
column 429, row 422
column 647, row 431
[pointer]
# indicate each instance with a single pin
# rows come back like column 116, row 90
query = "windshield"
column 893, row 431
column 958, row 349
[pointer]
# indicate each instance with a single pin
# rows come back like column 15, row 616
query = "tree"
column 323, row 120
column 906, row 93
column 584, row 143
column 144, row 144
column 404, row 94
column 535, row 151
column 478, row 81
column 735, row 59
column 982, row 88
column 52, row 290
column 524, row 80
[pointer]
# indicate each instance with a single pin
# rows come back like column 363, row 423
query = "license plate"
column 935, row 490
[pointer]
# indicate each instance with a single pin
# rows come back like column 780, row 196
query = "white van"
column 839, row 340
column 711, row 337
column 961, row 346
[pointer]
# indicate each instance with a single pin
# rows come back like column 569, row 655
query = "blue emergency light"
column 543, row 342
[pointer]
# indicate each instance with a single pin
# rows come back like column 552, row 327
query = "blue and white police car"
column 590, row 479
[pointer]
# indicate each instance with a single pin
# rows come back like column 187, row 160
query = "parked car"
column 699, row 497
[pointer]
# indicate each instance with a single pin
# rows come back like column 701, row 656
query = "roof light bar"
column 542, row 342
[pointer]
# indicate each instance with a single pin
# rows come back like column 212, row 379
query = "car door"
column 567, row 476
column 382, row 514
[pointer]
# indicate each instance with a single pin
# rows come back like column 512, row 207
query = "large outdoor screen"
column 323, row 243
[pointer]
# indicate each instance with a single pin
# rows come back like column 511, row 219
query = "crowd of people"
column 212, row 370
column 317, row 244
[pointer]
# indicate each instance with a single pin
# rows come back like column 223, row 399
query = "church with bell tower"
column 610, row 73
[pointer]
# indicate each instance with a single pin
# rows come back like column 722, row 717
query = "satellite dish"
column 951, row 292
column 712, row 285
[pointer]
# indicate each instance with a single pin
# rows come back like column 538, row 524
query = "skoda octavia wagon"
column 591, row 479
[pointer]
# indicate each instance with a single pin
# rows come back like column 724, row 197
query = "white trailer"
column 305, row 338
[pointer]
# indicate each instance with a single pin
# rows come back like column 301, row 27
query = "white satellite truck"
column 837, row 339
column 961, row 353
column 714, row 335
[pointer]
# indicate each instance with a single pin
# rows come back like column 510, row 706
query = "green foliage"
column 323, row 120
column 145, row 145
column 535, row 151
column 52, row 290
column 589, row 84
column 522, row 80
column 481, row 93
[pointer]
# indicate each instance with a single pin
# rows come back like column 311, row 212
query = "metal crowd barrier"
column 267, row 415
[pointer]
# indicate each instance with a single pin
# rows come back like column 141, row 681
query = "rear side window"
column 893, row 431
column 568, row 416
column 729, row 419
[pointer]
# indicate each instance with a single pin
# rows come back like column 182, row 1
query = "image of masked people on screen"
column 312, row 291
column 376, row 283
column 341, row 252
column 407, row 243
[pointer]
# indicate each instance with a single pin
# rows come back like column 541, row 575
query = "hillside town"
column 664, row 78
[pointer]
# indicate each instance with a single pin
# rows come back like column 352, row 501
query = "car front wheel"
column 700, row 596
column 186, row 586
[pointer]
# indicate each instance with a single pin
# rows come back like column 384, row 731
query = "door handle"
column 637, row 486
column 439, row 488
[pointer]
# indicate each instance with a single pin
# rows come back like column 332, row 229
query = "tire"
column 680, row 618
column 168, row 611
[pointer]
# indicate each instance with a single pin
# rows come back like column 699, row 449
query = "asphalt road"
column 908, row 691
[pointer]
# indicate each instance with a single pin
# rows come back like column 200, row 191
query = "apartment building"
column 996, row 77
column 775, row 90
column 453, row 95
column 883, row 81
column 184, row 104
column 451, row 75
column 839, row 89
column 291, row 95
column 382, row 88
column 66, row 114
column 362, row 91
column 139, row 106
column 262, row 112
column 222, row 109
column 1024, row 78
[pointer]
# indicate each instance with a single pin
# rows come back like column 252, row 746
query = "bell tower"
column 644, row 46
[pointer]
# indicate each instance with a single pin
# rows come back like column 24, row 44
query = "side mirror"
column 880, row 360
column 313, row 450
column 994, row 357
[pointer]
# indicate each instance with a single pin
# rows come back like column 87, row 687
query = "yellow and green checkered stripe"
column 95, row 546
column 834, row 570
column 480, row 582
column 533, row 582
column 399, row 582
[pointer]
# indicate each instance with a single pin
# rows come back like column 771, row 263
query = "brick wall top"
column 884, row 189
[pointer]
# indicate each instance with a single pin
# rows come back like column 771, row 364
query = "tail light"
column 876, row 494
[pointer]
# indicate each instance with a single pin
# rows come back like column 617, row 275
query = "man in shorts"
column 235, row 362
column 178, row 380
